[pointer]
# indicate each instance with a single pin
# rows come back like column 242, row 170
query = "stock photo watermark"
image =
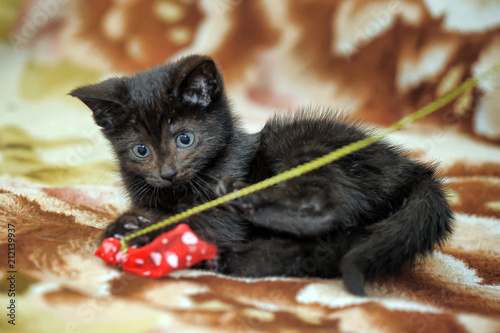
column 381, row 19
column 423, row 321
column 78, row 154
column 40, row 15
column 274, row 299
column 222, row 7
column 11, row 273
column 89, row 309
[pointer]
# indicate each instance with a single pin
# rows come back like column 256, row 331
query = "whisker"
column 205, row 193
column 194, row 189
column 143, row 192
column 156, row 194
column 207, row 186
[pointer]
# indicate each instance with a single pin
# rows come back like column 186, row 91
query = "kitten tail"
column 425, row 220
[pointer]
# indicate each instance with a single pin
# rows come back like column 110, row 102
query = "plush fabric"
column 375, row 60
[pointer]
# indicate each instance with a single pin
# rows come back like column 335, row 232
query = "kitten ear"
column 106, row 100
column 201, row 83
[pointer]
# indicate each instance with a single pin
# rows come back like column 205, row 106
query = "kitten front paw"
column 246, row 204
column 228, row 185
column 126, row 225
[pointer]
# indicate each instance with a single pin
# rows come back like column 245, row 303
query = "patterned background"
column 377, row 60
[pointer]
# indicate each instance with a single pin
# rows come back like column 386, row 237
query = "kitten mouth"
column 156, row 183
column 161, row 183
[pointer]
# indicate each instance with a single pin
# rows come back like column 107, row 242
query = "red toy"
column 177, row 249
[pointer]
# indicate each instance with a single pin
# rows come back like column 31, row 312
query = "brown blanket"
column 377, row 60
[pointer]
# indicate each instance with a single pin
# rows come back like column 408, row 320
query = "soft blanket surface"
column 377, row 60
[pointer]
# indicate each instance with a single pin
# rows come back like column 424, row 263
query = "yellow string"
column 319, row 162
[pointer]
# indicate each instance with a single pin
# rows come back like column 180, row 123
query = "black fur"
column 365, row 215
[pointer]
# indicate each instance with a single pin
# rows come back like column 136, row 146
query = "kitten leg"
column 129, row 223
column 261, row 258
column 214, row 226
column 302, row 207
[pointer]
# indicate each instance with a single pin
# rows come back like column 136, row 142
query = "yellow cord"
column 319, row 162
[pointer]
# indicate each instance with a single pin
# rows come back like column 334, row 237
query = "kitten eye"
column 184, row 140
column 141, row 151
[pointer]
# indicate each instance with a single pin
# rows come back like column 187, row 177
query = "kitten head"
column 166, row 124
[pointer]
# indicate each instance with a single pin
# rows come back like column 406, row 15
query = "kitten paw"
column 228, row 185
column 128, row 224
column 245, row 205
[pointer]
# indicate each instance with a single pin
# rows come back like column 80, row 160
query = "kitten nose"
column 168, row 174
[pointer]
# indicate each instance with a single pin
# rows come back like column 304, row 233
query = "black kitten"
column 178, row 145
